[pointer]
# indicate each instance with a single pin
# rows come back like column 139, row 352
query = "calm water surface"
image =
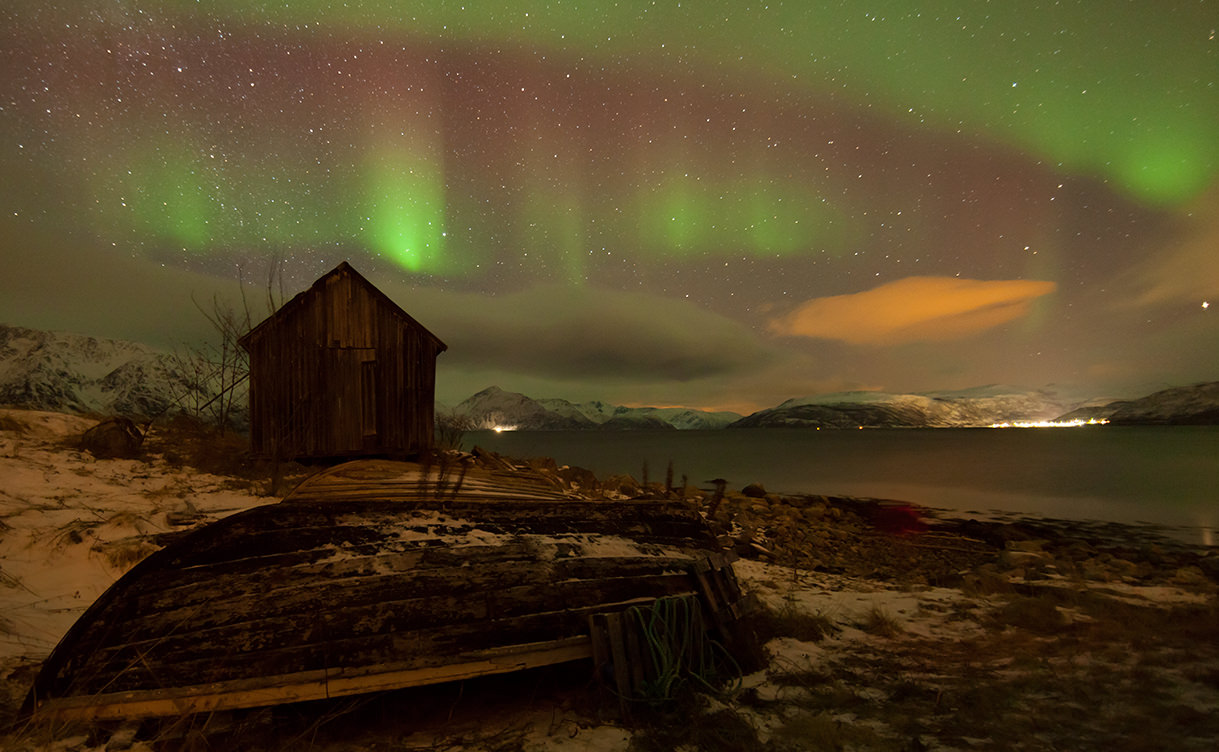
column 1166, row 476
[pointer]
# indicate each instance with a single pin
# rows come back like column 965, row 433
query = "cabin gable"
column 341, row 371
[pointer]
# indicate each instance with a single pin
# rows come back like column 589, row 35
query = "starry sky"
column 705, row 203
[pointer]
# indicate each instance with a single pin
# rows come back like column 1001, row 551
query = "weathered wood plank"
column 336, row 648
column 308, row 685
column 175, row 641
column 377, row 579
column 618, row 658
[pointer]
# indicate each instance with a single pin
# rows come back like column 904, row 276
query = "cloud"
column 587, row 333
column 914, row 309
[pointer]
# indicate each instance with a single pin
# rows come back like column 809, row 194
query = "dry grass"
column 687, row 724
column 126, row 553
column 1037, row 615
column 1055, row 670
column 881, row 623
column 185, row 442
column 822, row 732
column 788, row 620
column 12, row 425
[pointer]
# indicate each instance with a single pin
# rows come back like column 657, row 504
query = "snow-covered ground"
column 71, row 524
column 895, row 666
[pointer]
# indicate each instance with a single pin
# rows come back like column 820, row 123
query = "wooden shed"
column 341, row 371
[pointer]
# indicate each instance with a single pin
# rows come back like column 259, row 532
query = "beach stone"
column 1190, row 576
column 754, row 491
column 813, row 513
column 1027, row 546
column 623, row 484
column 113, row 438
column 1123, row 568
column 578, row 476
column 1095, row 569
column 543, row 464
column 1014, row 559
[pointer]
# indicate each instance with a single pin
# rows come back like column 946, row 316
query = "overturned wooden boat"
column 374, row 576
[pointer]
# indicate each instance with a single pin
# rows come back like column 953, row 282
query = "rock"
column 1210, row 566
column 115, row 437
column 1098, row 569
column 1026, row 546
column 1190, row 576
column 543, row 464
column 754, row 491
column 578, row 477
column 623, row 484
column 1015, row 559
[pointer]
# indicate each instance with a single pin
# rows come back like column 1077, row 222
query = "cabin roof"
column 302, row 298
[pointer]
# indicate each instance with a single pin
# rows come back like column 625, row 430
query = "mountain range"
column 75, row 373
column 495, row 408
column 982, row 406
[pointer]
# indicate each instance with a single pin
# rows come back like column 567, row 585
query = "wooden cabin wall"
column 340, row 361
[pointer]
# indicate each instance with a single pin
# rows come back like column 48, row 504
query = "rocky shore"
column 907, row 545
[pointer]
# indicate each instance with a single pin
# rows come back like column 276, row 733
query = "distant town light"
column 1051, row 423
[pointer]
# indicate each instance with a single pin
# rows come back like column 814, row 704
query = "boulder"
column 754, row 491
column 622, row 484
column 578, row 477
column 114, row 437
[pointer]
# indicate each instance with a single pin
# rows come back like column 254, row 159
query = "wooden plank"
column 316, row 643
column 619, row 659
column 707, row 591
column 177, row 640
column 599, row 635
column 634, row 655
column 311, row 685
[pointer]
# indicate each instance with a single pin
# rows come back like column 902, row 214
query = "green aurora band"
column 1079, row 89
column 1079, row 82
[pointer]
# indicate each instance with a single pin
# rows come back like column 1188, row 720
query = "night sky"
column 715, row 204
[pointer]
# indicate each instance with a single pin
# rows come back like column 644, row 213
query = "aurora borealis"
column 718, row 204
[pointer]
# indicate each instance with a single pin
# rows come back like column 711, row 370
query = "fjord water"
column 1161, row 475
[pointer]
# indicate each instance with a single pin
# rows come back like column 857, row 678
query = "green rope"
column 676, row 637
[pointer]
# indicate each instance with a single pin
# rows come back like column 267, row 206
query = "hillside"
column 983, row 406
column 1184, row 405
column 494, row 407
column 73, row 373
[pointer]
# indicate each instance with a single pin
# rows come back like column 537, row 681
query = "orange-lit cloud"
column 915, row 309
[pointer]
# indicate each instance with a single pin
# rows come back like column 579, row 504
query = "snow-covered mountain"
column 1184, row 405
column 981, row 406
column 493, row 407
column 78, row 374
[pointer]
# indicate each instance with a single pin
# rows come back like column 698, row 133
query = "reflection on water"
column 1158, row 475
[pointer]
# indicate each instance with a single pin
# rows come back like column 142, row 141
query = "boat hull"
column 310, row 599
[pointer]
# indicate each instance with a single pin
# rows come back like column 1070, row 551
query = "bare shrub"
column 126, row 553
column 451, row 428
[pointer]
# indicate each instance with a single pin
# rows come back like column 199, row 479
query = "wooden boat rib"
column 367, row 578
